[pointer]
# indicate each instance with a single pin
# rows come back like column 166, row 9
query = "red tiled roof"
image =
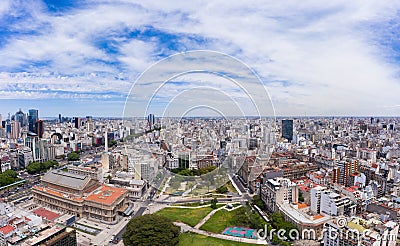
column 301, row 205
column 318, row 216
column 106, row 194
column 46, row 214
column 350, row 189
column 6, row 229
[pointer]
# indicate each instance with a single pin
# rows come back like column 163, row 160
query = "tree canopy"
column 151, row 229
column 112, row 143
column 8, row 177
column 278, row 222
column 37, row 167
column 73, row 156
column 193, row 172
column 257, row 201
column 214, row 202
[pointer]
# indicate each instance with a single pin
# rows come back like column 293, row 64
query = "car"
column 115, row 241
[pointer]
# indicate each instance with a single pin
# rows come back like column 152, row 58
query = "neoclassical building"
column 81, row 196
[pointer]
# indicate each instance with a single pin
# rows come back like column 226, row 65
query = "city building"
column 287, row 130
column 15, row 132
column 21, row 118
column 40, row 128
column 278, row 190
column 95, row 171
column 33, row 117
column 361, row 231
column 81, row 196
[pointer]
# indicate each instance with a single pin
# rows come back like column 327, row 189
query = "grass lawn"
column 194, row 239
column 219, row 221
column 192, row 204
column 188, row 216
column 230, row 187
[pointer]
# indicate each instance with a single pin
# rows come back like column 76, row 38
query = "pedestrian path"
column 205, row 219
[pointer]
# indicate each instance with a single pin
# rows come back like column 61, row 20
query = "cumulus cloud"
column 331, row 58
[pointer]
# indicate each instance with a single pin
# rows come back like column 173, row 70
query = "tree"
column 214, row 203
column 151, row 229
column 73, row 156
column 275, row 240
column 257, row 201
column 33, row 168
column 301, row 198
column 222, row 189
column 8, row 177
column 37, row 167
column 10, row 173
column 112, row 143
column 278, row 222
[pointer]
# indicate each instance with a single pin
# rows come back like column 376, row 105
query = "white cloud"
column 318, row 58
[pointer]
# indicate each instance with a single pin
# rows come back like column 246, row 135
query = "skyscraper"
column 15, row 129
column 40, row 128
column 33, row 117
column 59, row 118
column 21, row 118
column 77, row 122
column 287, row 129
column 150, row 120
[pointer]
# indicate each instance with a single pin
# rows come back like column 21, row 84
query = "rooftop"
column 62, row 178
column 106, row 195
column 46, row 214
column 6, row 229
column 44, row 234
column 59, row 194
column 300, row 217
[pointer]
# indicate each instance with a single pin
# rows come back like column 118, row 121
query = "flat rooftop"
column 46, row 214
column 106, row 194
column 302, row 218
column 43, row 235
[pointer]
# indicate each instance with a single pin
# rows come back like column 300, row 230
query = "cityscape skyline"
column 335, row 59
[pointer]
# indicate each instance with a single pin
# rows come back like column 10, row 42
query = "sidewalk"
column 205, row 219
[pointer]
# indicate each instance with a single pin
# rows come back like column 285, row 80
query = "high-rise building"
column 40, row 128
column 15, row 129
column 60, row 118
column 21, row 118
column 33, row 116
column 287, row 129
column 277, row 191
column 77, row 122
column 8, row 126
column 151, row 120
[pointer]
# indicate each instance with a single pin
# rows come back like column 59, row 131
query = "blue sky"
column 317, row 58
